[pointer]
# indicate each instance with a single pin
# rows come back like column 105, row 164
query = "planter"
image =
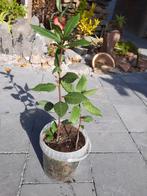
column 61, row 165
column 102, row 60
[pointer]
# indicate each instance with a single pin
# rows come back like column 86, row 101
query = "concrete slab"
column 86, row 189
column 11, row 168
column 120, row 174
column 106, row 142
column 141, row 141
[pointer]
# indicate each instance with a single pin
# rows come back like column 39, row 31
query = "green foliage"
column 88, row 23
column 82, row 84
column 120, row 21
column 75, row 114
column 76, row 92
column 46, row 105
column 90, row 92
column 61, row 108
column 69, row 77
column 10, row 10
column 71, row 24
column 87, row 118
column 46, row 87
column 91, row 108
column 51, row 131
column 74, row 98
column 122, row 48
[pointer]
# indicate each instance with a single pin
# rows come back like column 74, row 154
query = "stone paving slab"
column 134, row 117
column 104, row 142
column 120, row 174
column 13, row 138
column 11, row 168
column 116, row 165
column 86, row 189
column 141, row 141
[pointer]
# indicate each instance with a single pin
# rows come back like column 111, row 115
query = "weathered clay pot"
column 102, row 59
column 60, row 165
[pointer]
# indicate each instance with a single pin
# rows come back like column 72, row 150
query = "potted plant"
column 63, row 141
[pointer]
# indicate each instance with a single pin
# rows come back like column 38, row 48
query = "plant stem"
column 78, row 133
column 59, row 92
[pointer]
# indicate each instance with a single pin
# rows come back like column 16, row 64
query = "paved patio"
column 117, row 165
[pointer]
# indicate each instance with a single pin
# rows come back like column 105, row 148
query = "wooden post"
column 28, row 4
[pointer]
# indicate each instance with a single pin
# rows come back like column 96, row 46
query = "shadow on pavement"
column 136, row 82
column 32, row 121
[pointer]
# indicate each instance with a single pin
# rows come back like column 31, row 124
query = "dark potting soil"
column 67, row 140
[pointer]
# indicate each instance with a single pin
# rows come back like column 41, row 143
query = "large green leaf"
column 46, row 87
column 90, row 92
column 70, row 25
column 61, row 108
column 68, row 87
column 59, row 5
column 91, row 108
column 46, row 33
column 82, row 84
column 74, row 98
column 69, row 77
column 75, row 114
column 81, row 42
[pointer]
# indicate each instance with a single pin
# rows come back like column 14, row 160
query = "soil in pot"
column 67, row 140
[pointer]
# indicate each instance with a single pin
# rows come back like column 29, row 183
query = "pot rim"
column 74, row 156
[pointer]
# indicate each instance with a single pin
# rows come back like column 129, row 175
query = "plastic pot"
column 60, row 165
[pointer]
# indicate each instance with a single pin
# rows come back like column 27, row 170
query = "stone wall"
column 22, row 41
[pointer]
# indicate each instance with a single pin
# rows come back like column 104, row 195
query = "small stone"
column 72, row 57
column 35, row 20
column 125, row 66
column 106, row 68
column 6, row 39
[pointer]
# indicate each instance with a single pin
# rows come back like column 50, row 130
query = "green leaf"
column 50, row 132
column 81, row 42
column 45, row 87
column 87, row 118
column 74, row 98
column 66, row 122
column 75, row 114
column 48, row 106
column 41, row 103
column 82, row 84
column 59, row 5
column 61, row 108
column 91, row 108
column 90, row 92
column 67, row 86
column 57, row 30
column 53, row 127
column 70, row 25
column 69, row 77
column 57, row 56
column 56, row 69
column 46, row 33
